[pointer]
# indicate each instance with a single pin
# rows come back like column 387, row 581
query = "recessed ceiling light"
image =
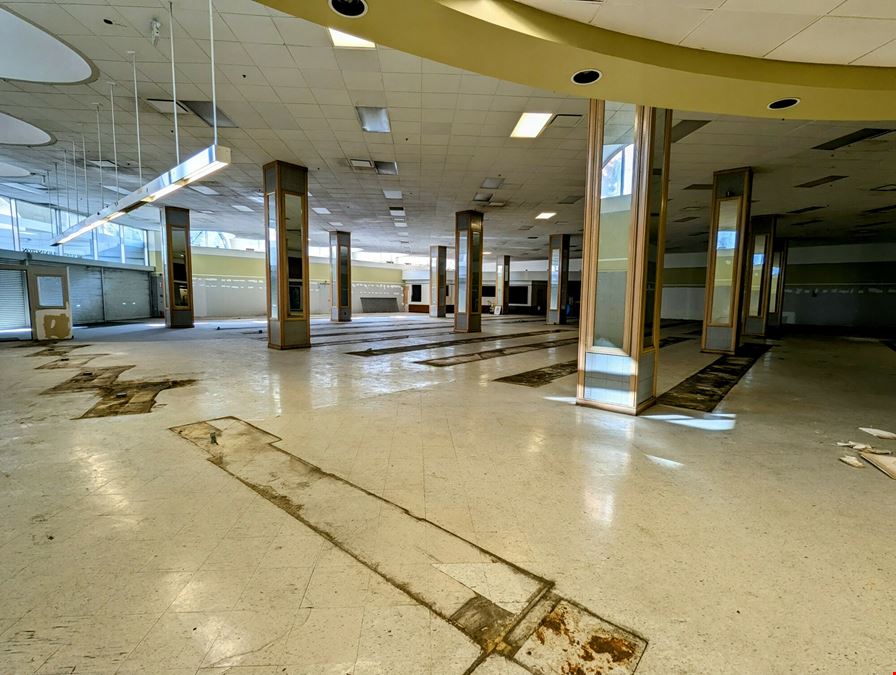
column 345, row 40
column 495, row 205
column 240, row 207
column 783, row 103
column 207, row 212
column 203, row 189
column 392, row 194
column 589, row 76
column 336, row 223
column 820, row 181
column 482, row 197
column 256, row 198
column 361, row 163
column 397, row 211
column 530, row 125
column 545, row 215
column 103, row 164
column 400, row 223
column 349, row 8
column 321, row 210
column 374, row 120
column 166, row 105
column 492, row 183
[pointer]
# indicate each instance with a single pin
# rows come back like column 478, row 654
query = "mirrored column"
column 558, row 278
column 438, row 280
column 758, row 271
column 468, row 272
column 502, row 284
column 776, row 286
column 340, row 276
column 725, row 266
column 622, row 261
column 177, row 267
column 286, row 219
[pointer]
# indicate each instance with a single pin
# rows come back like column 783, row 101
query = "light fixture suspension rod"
column 173, row 83
column 137, row 116
column 86, row 183
column 75, row 174
column 114, row 138
column 68, row 196
column 99, row 149
column 211, row 37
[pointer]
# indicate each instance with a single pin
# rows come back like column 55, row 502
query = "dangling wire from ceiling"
column 99, row 149
column 173, row 82
column 137, row 116
column 114, row 138
column 211, row 37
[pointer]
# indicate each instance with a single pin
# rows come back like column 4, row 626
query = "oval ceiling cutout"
column 14, row 131
column 10, row 171
column 33, row 55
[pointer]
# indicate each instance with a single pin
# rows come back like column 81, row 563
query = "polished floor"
column 731, row 541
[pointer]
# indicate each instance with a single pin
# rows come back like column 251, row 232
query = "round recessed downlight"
column 349, row 8
column 586, row 76
column 783, row 103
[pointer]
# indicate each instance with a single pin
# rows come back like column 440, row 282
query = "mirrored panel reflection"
column 726, row 248
column 295, row 239
column 179, row 271
column 758, row 268
column 273, row 252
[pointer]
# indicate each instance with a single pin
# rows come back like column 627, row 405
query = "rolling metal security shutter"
column 13, row 300
column 126, row 294
column 86, row 294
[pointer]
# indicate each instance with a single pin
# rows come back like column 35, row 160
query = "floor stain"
column 447, row 361
column 453, row 343
column 706, row 388
column 56, row 350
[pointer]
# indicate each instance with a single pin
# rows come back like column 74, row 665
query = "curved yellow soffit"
column 515, row 42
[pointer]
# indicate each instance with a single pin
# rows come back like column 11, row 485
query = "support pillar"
column 286, row 216
column 776, row 286
column 502, row 284
column 341, row 276
column 177, row 267
column 468, row 272
column 558, row 278
column 622, row 262
column 758, row 274
column 438, row 280
column 725, row 265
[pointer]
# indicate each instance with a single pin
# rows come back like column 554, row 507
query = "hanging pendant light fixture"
column 197, row 167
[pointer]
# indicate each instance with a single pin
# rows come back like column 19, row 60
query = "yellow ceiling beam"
column 518, row 43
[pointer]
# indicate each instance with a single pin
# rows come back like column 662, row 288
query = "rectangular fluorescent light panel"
column 806, row 209
column 545, row 215
column 242, row 207
column 392, row 194
column 374, row 120
column 854, row 137
column 204, row 189
column 530, row 125
column 103, row 164
column 347, row 41
column 483, row 197
column 361, row 163
column 258, row 199
column 492, row 183
column 321, row 210
column 397, row 211
column 197, row 167
column 820, row 181
column 386, row 168
column 400, row 223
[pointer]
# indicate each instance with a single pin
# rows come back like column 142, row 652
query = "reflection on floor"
column 124, row 549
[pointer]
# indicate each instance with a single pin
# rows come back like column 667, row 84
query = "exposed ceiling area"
column 846, row 32
column 293, row 96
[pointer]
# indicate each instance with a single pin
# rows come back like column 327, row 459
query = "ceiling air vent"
column 565, row 120
column 203, row 110
column 806, row 209
column 821, row 181
column 699, row 186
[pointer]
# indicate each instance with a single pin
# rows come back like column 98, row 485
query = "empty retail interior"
column 328, row 352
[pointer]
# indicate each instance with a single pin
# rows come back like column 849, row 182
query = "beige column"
column 468, row 234
column 340, row 276
column 758, row 271
column 558, row 278
column 438, row 280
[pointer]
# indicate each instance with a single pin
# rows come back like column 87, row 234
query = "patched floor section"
column 500, row 607
column 705, row 389
column 454, row 343
column 460, row 359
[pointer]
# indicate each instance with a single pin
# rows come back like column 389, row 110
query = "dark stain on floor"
column 453, row 343
column 56, row 350
column 69, row 362
column 705, row 389
column 459, row 359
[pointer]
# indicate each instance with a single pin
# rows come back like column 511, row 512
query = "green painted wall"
column 205, row 264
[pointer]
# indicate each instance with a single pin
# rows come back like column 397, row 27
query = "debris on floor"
column 886, row 463
column 879, row 433
column 852, row 461
column 862, row 447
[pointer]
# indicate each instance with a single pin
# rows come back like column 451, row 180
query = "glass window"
column 654, row 209
column 7, row 240
column 757, row 270
column 36, row 230
column 82, row 246
column 615, row 229
column 108, row 242
column 49, row 291
column 726, row 247
column 134, row 245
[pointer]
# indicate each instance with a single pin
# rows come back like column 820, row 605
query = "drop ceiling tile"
column 253, row 28
column 837, row 40
column 882, row 9
column 299, row 33
column 363, row 80
column 884, row 56
column 747, row 33
column 663, row 22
